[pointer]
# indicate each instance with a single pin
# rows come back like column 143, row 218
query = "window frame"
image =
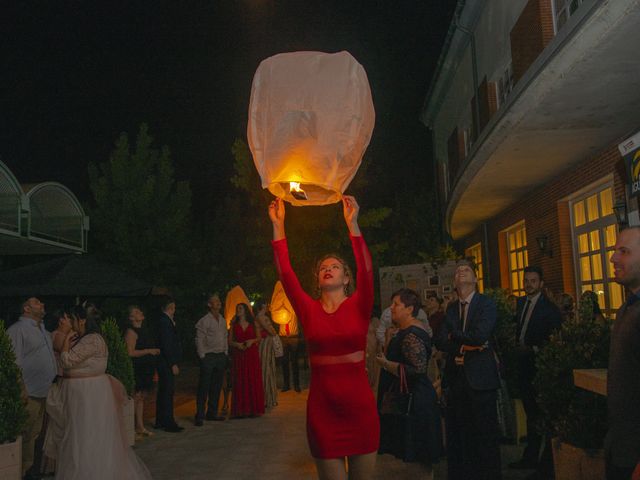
column 600, row 225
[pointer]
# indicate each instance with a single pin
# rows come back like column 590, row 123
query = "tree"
column 141, row 219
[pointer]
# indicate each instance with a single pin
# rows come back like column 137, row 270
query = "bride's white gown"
column 86, row 433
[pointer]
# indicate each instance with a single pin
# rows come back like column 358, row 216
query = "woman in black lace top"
column 418, row 438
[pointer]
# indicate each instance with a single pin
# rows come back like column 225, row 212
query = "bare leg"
column 361, row 466
column 331, row 469
column 138, row 399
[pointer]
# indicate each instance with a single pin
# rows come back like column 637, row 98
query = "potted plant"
column 120, row 366
column 575, row 418
column 13, row 414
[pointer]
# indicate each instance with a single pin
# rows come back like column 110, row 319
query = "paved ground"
column 270, row 447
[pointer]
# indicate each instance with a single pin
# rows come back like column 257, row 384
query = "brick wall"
column 544, row 212
column 531, row 33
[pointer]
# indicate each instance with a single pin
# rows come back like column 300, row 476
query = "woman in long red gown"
column 248, row 394
column 342, row 420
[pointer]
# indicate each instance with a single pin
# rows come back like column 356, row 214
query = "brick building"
column 529, row 104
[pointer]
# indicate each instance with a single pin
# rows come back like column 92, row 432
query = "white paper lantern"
column 234, row 297
column 281, row 309
column 310, row 121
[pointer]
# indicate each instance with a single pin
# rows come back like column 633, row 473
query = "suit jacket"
column 170, row 349
column 480, row 367
column 623, row 387
column 545, row 318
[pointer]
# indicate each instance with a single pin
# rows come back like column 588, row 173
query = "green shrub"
column 119, row 364
column 505, row 337
column 13, row 414
column 574, row 415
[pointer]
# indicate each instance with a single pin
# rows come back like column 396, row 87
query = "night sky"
column 77, row 74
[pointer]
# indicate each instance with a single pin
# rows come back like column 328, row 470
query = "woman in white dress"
column 86, row 432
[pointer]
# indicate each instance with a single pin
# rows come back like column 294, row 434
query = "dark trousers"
column 472, row 432
column 526, row 374
column 614, row 472
column 291, row 353
column 164, row 398
column 534, row 439
column 212, row 368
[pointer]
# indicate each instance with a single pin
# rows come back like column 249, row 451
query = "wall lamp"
column 543, row 245
column 620, row 210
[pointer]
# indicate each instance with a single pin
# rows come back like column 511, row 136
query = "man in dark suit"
column 170, row 355
column 471, row 381
column 537, row 317
column 622, row 443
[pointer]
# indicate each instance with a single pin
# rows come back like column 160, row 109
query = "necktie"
column 524, row 312
column 286, row 329
column 463, row 319
column 523, row 319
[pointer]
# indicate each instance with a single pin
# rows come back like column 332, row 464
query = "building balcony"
column 579, row 96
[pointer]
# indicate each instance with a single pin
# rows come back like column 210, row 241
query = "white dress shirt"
column 211, row 335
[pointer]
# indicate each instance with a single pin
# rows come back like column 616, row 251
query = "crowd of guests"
column 427, row 368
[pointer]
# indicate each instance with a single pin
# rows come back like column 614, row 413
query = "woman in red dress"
column 248, row 394
column 342, row 420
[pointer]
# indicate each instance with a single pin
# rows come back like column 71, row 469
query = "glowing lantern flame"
column 296, row 191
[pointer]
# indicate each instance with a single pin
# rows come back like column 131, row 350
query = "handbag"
column 397, row 400
column 278, row 350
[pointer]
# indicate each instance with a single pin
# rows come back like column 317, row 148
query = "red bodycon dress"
column 342, row 418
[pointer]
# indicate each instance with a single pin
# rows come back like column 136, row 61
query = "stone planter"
column 128, row 412
column 573, row 463
column 11, row 460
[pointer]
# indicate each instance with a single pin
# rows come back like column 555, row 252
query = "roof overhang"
column 580, row 95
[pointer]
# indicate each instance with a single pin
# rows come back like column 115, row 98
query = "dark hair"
column 534, row 269
column 348, row 288
column 409, row 298
column 435, row 295
column 258, row 305
column 467, row 262
column 247, row 313
column 566, row 303
column 593, row 298
column 166, row 301
column 92, row 318
column 52, row 321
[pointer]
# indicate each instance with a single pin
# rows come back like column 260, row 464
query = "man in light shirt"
column 212, row 347
column 34, row 355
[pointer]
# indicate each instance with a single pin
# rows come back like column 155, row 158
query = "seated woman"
column 410, row 350
column 145, row 359
column 86, row 432
column 248, row 394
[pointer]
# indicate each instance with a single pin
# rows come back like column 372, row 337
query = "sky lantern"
column 235, row 296
column 310, row 121
column 281, row 309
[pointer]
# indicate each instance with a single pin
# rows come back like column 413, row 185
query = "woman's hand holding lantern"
column 351, row 209
column 276, row 215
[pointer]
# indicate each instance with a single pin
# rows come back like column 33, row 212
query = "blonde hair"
column 348, row 288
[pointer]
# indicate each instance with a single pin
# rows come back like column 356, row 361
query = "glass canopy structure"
column 43, row 218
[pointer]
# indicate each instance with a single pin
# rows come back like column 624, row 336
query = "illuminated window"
column 475, row 253
column 518, row 258
column 594, row 232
